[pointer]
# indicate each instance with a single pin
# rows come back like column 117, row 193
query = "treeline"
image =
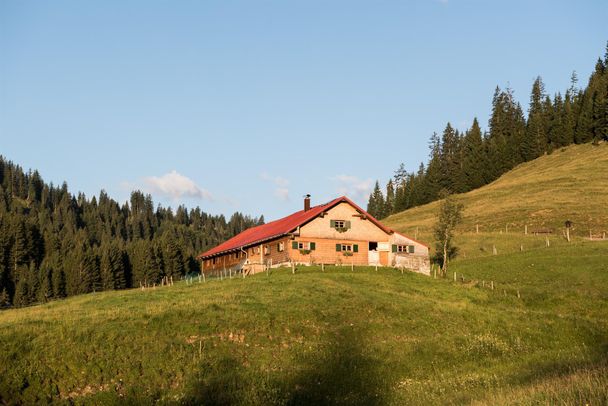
column 460, row 162
column 54, row 244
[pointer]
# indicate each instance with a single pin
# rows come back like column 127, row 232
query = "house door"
column 372, row 254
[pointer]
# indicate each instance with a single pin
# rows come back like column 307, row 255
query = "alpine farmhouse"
column 338, row 232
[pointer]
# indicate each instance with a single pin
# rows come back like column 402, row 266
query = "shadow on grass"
column 341, row 372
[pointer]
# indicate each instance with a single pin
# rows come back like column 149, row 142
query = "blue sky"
column 248, row 105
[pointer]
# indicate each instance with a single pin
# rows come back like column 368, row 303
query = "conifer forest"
column 54, row 244
column 463, row 161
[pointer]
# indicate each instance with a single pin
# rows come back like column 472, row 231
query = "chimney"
column 306, row 202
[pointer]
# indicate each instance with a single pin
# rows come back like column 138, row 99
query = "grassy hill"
column 570, row 184
column 333, row 337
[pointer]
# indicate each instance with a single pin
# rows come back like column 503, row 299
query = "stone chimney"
column 306, row 202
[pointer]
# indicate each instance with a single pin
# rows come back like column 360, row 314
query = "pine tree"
column 600, row 109
column 173, row 258
column 19, row 250
column 449, row 158
column 534, row 143
column 376, row 203
column 433, row 178
column 474, row 163
column 46, row 285
column 4, row 298
column 106, row 269
column 390, row 198
column 59, row 284
column 590, row 108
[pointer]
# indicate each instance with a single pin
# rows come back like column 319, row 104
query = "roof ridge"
column 282, row 226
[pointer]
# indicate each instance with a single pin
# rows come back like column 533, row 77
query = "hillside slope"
column 335, row 337
column 570, row 184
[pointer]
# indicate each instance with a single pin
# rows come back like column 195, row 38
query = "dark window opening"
column 373, row 246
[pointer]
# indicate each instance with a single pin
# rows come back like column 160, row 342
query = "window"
column 257, row 250
column 281, row 247
column 266, row 249
column 339, row 225
column 404, row 248
column 213, row 261
column 303, row 245
column 236, row 255
column 347, row 247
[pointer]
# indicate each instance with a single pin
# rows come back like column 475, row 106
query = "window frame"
column 405, row 249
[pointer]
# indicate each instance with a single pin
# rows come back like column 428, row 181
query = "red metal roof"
column 277, row 228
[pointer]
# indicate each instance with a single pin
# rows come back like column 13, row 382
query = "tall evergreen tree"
column 474, row 164
column 389, row 203
column 375, row 205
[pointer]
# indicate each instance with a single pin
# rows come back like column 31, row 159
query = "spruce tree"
column 376, row 204
column 389, row 204
column 474, row 157
column 534, row 142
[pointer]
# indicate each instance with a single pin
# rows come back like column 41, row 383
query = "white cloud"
column 175, row 186
column 352, row 186
column 281, row 185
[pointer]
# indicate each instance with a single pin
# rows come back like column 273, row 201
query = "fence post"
column 494, row 250
column 526, row 229
column 492, row 284
column 454, row 276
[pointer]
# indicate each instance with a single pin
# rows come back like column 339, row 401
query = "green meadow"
column 569, row 184
column 337, row 336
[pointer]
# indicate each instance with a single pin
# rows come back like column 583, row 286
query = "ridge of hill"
column 569, row 184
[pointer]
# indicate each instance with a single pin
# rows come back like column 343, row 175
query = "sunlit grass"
column 333, row 337
column 570, row 184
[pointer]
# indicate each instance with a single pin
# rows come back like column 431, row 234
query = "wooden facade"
column 337, row 233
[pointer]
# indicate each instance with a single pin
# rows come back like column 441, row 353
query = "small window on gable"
column 339, row 225
column 303, row 245
column 347, row 247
